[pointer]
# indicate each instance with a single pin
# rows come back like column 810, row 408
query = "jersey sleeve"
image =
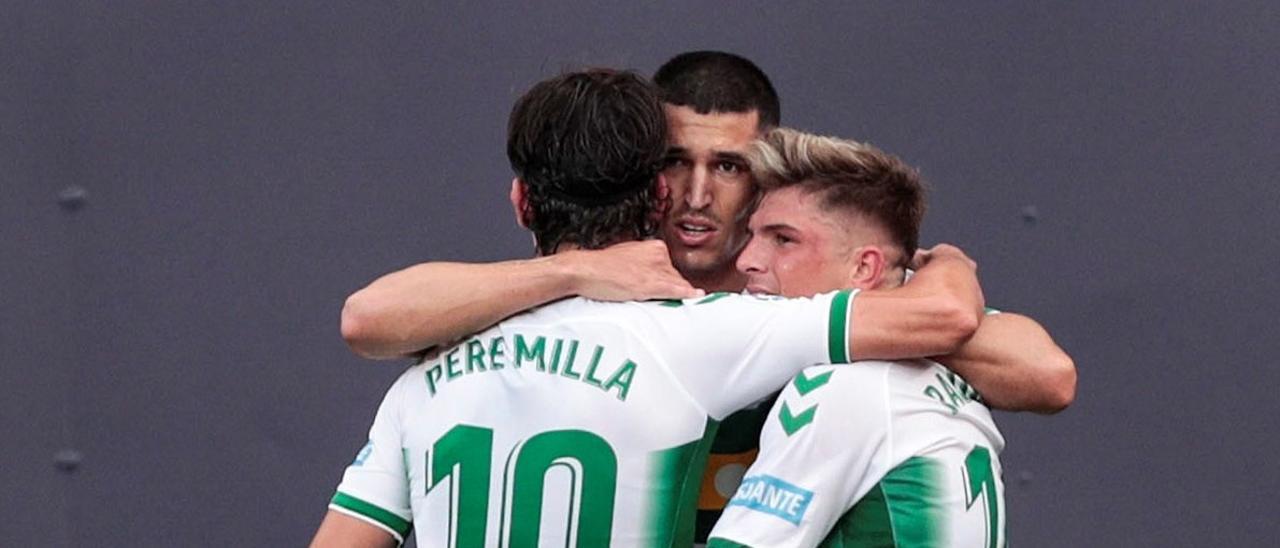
column 824, row 446
column 375, row 487
column 736, row 349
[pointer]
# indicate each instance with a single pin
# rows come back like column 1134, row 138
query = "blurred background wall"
column 189, row 190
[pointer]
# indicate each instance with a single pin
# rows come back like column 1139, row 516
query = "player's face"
column 796, row 248
column 711, row 190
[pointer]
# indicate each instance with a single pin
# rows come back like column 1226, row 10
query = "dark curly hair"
column 588, row 146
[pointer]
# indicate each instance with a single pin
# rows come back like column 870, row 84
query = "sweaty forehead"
column 731, row 131
column 796, row 209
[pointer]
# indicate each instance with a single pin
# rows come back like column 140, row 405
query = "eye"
column 782, row 239
column 674, row 161
column 728, row 167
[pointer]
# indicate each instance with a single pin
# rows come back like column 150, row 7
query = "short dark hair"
column 716, row 81
column 846, row 176
column 588, row 146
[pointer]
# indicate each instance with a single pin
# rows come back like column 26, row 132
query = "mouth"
column 693, row 232
column 757, row 289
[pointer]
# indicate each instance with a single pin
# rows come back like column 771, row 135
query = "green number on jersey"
column 594, row 468
column 981, row 480
column 465, row 453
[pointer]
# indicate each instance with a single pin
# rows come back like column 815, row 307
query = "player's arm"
column 932, row 314
column 761, row 343
column 433, row 303
column 342, row 531
column 1013, row 362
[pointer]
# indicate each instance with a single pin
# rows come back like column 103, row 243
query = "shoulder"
column 856, row 388
column 574, row 309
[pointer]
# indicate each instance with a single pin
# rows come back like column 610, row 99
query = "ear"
column 520, row 202
column 867, row 267
column 660, row 189
column 661, row 198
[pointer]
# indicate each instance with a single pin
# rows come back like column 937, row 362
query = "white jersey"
column 875, row 454
column 580, row 423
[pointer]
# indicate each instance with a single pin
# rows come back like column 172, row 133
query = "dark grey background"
column 248, row 164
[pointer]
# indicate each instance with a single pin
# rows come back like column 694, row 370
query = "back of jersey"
column 578, row 424
column 873, row 454
column 943, row 485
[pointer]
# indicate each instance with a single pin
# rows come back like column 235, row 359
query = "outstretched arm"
column 433, row 303
column 934, row 313
column 1014, row 363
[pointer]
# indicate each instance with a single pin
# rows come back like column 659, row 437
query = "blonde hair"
column 847, row 176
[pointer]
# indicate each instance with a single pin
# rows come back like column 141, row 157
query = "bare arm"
column 435, row 303
column 934, row 313
column 339, row 530
column 1014, row 363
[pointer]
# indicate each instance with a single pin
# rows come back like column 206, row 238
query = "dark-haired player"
column 716, row 103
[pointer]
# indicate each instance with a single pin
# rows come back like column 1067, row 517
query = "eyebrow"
column 731, row 157
column 772, row 227
column 723, row 156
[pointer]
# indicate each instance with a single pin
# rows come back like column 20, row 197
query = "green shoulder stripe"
column 398, row 527
column 838, row 325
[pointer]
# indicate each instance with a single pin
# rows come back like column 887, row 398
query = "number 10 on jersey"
column 464, row 455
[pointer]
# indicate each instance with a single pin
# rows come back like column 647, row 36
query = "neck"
column 892, row 278
column 729, row 280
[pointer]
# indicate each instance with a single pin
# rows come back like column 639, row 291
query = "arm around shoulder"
column 431, row 304
column 1016, row 366
column 934, row 313
column 434, row 303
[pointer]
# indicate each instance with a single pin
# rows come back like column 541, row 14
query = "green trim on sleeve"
column 988, row 311
column 838, row 325
column 717, row 542
column 394, row 524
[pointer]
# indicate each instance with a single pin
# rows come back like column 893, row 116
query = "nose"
column 699, row 194
column 751, row 260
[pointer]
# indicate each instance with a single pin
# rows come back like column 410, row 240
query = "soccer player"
column 716, row 103
column 879, row 454
column 581, row 422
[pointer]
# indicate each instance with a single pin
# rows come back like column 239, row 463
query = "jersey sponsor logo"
column 770, row 495
column 363, row 455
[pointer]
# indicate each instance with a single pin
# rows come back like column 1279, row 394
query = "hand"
column 629, row 271
column 946, row 252
column 923, row 256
